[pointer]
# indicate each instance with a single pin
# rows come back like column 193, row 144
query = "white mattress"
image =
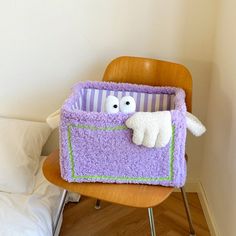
column 30, row 215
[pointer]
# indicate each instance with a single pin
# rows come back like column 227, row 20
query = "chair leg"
column 97, row 204
column 187, row 209
column 60, row 210
column 151, row 221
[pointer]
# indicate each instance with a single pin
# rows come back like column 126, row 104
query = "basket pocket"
column 107, row 153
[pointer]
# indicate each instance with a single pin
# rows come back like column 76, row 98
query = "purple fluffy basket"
column 97, row 147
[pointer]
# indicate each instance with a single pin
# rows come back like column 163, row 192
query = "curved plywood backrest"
column 150, row 72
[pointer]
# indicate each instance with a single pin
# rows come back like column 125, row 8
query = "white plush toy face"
column 112, row 104
column 125, row 105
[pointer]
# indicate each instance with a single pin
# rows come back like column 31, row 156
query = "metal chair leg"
column 60, row 210
column 97, row 204
column 187, row 209
column 151, row 221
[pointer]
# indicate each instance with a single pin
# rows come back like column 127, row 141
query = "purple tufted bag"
column 97, row 147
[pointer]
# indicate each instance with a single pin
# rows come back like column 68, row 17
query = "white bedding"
column 30, row 215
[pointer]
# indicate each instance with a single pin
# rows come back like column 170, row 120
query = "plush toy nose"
column 127, row 104
column 112, row 104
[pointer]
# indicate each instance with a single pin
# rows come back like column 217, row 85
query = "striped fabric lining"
column 94, row 100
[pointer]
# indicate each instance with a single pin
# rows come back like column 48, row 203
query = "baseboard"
column 196, row 187
column 208, row 215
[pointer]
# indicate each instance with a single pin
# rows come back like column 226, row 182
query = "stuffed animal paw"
column 154, row 129
column 194, row 125
column 151, row 129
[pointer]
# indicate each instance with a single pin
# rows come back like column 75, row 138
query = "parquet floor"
column 83, row 220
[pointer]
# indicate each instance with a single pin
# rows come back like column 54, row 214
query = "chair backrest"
column 152, row 72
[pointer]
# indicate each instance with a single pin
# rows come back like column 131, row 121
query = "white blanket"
column 30, row 215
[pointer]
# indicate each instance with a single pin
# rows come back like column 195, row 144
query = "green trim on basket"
column 116, row 128
column 112, row 128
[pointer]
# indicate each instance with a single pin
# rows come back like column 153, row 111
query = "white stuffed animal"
column 151, row 129
column 112, row 104
column 127, row 104
column 154, row 129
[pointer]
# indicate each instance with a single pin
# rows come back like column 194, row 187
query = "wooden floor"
column 83, row 220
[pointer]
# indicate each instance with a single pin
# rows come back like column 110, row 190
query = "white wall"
column 219, row 162
column 47, row 46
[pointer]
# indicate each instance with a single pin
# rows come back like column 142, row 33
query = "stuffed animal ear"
column 53, row 119
column 127, row 104
column 194, row 125
column 112, row 104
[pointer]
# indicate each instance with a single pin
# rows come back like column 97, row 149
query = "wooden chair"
column 153, row 72
column 140, row 71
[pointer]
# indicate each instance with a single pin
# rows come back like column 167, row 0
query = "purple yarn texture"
column 97, row 147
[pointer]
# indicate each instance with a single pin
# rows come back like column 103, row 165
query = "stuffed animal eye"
column 112, row 104
column 127, row 104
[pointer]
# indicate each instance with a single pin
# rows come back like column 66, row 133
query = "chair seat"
column 134, row 195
